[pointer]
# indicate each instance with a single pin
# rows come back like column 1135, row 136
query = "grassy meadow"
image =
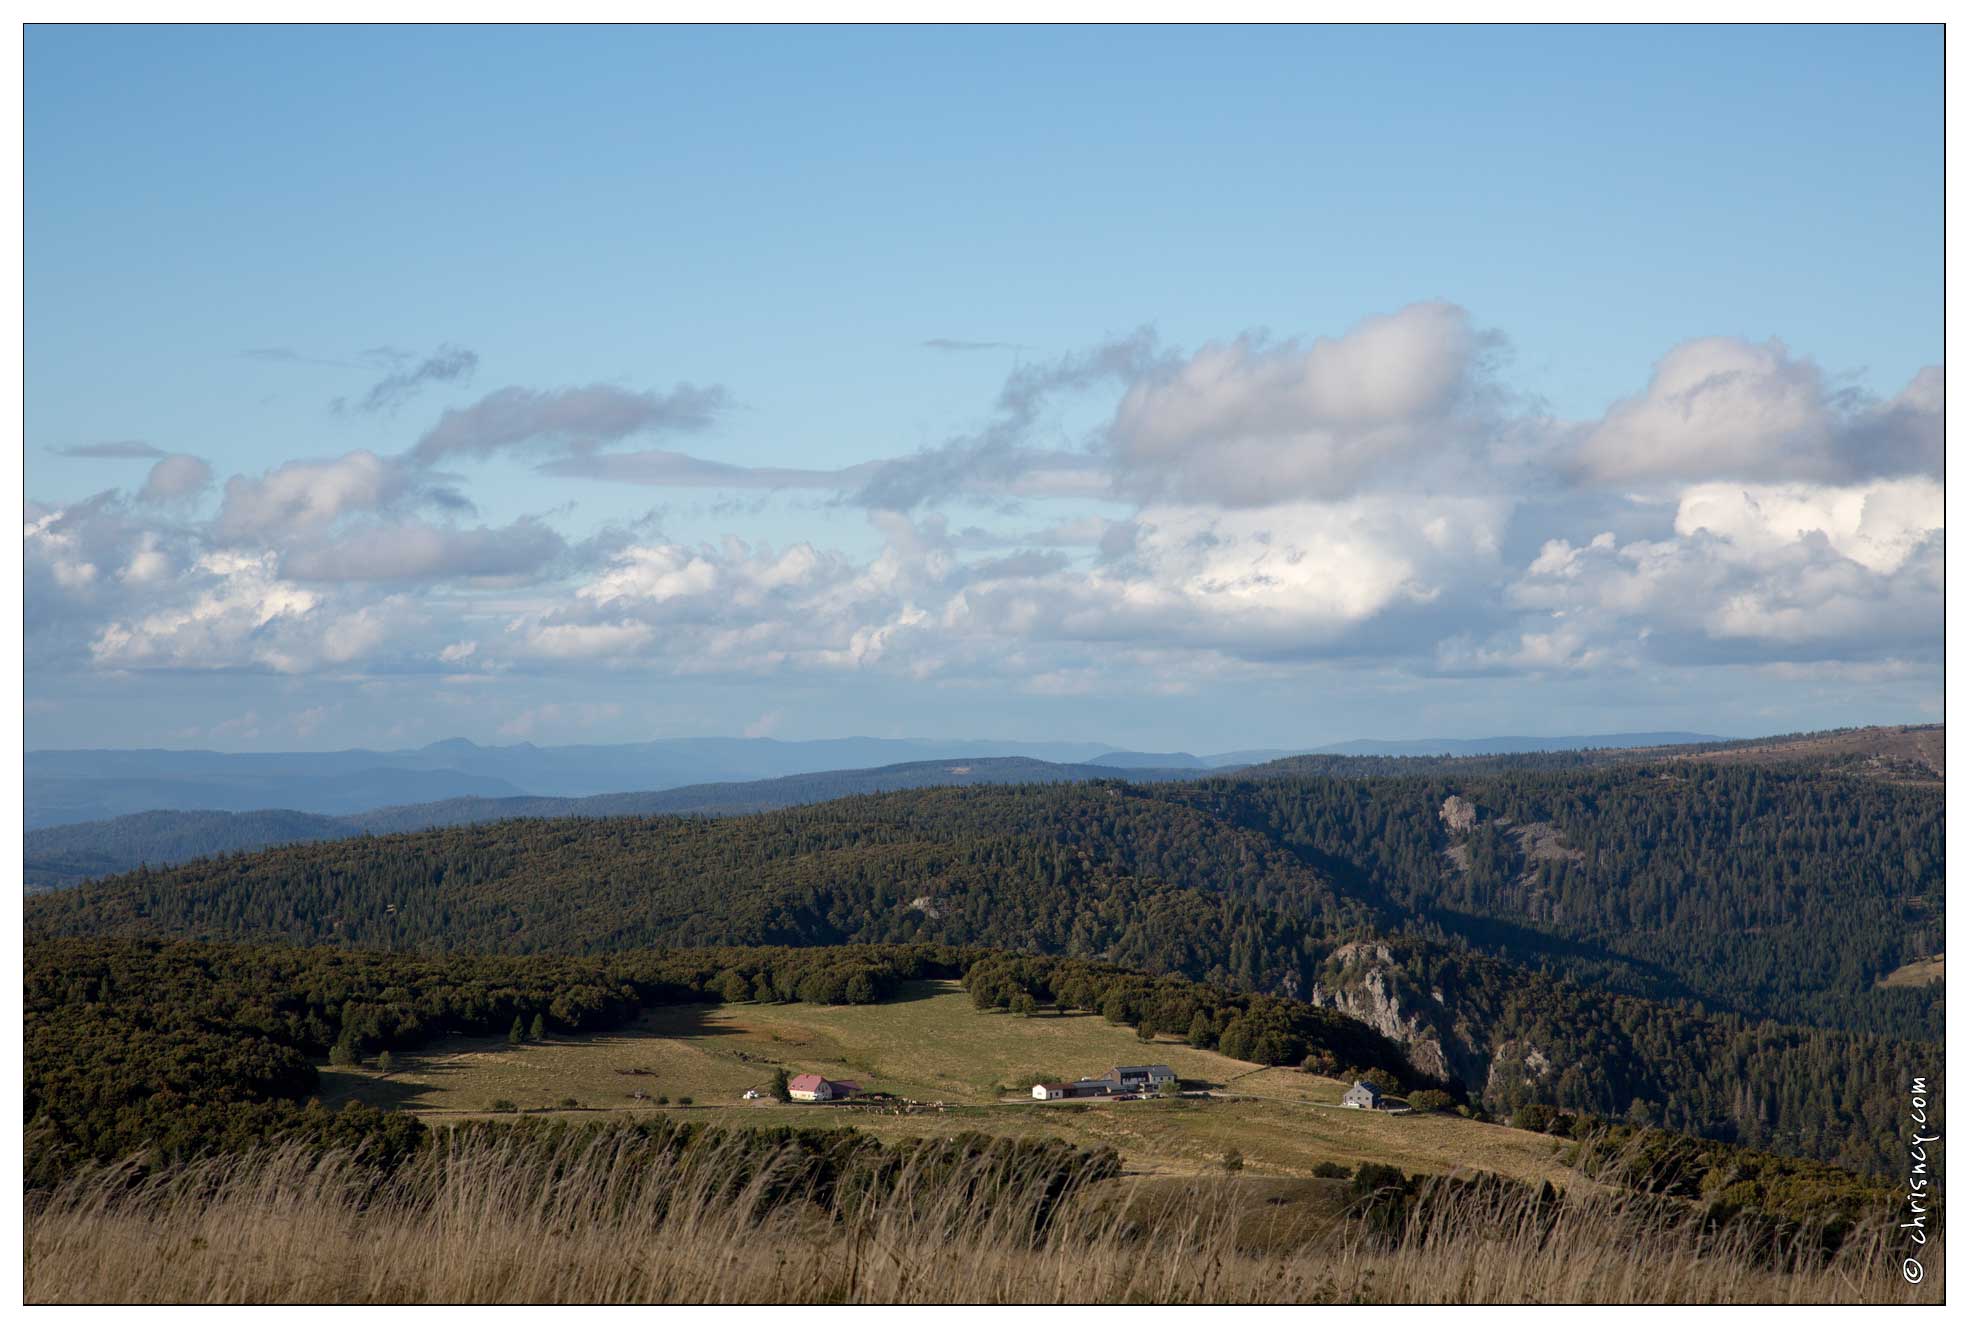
column 932, row 1046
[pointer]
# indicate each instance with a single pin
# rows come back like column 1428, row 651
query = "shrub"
column 504, row 1105
column 1532, row 1117
column 1331, row 1170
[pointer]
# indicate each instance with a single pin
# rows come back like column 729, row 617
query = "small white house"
column 1362, row 1095
column 1046, row 1093
column 819, row 1089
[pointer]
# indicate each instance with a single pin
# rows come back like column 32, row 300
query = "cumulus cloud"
column 1788, row 572
column 1249, row 423
column 303, row 497
column 1291, row 581
column 579, row 419
column 240, row 614
column 1721, row 408
column 175, row 479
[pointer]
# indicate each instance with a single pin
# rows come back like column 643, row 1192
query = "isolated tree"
column 781, row 1090
column 384, row 1062
column 539, row 1030
column 1232, row 1161
column 517, row 1034
column 346, row 1052
column 1200, row 1032
column 1026, row 1004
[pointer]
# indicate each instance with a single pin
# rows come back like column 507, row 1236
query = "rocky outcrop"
column 1365, row 982
column 1516, row 1066
column 1459, row 814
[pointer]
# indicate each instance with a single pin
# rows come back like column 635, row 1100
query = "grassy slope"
column 935, row 1047
column 1914, row 975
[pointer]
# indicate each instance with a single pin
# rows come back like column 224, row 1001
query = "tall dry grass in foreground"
column 485, row 1221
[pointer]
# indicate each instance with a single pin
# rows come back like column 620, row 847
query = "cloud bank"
column 1380, row 498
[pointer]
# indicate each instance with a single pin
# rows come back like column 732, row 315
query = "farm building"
column 818, row 1089
column 1078, row 1089
column 1138, row 1077
column 1362, row 1095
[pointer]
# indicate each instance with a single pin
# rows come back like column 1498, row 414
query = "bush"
column 1232, row 1161
column 504, row 1105
column 1533, row 1117
column 1431, row 1100
column 1337, row 1171
column 684, row 1100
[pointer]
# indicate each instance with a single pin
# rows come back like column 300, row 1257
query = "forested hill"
column 1633, row 926
column 60, row 856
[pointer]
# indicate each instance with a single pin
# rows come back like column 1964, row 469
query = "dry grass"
column 934, row 1046
column 1918, row 973
column 593, row 1222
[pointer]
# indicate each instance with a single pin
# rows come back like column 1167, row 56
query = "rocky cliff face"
column 1369, row 985
column 1518, row 1071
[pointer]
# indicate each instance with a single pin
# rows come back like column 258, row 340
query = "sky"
column 1176, row 388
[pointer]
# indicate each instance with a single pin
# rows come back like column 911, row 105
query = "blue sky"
column 412, row 322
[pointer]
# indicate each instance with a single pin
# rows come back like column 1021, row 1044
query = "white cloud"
column 1250, row 424
column 176, row 478
column 232, row 611
column 1721, row 408
column 303, row 497
column 1791, row 571
column 1877, row 526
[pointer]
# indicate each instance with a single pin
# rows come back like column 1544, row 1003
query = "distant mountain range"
column 1485, row 747
column 65, row 787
